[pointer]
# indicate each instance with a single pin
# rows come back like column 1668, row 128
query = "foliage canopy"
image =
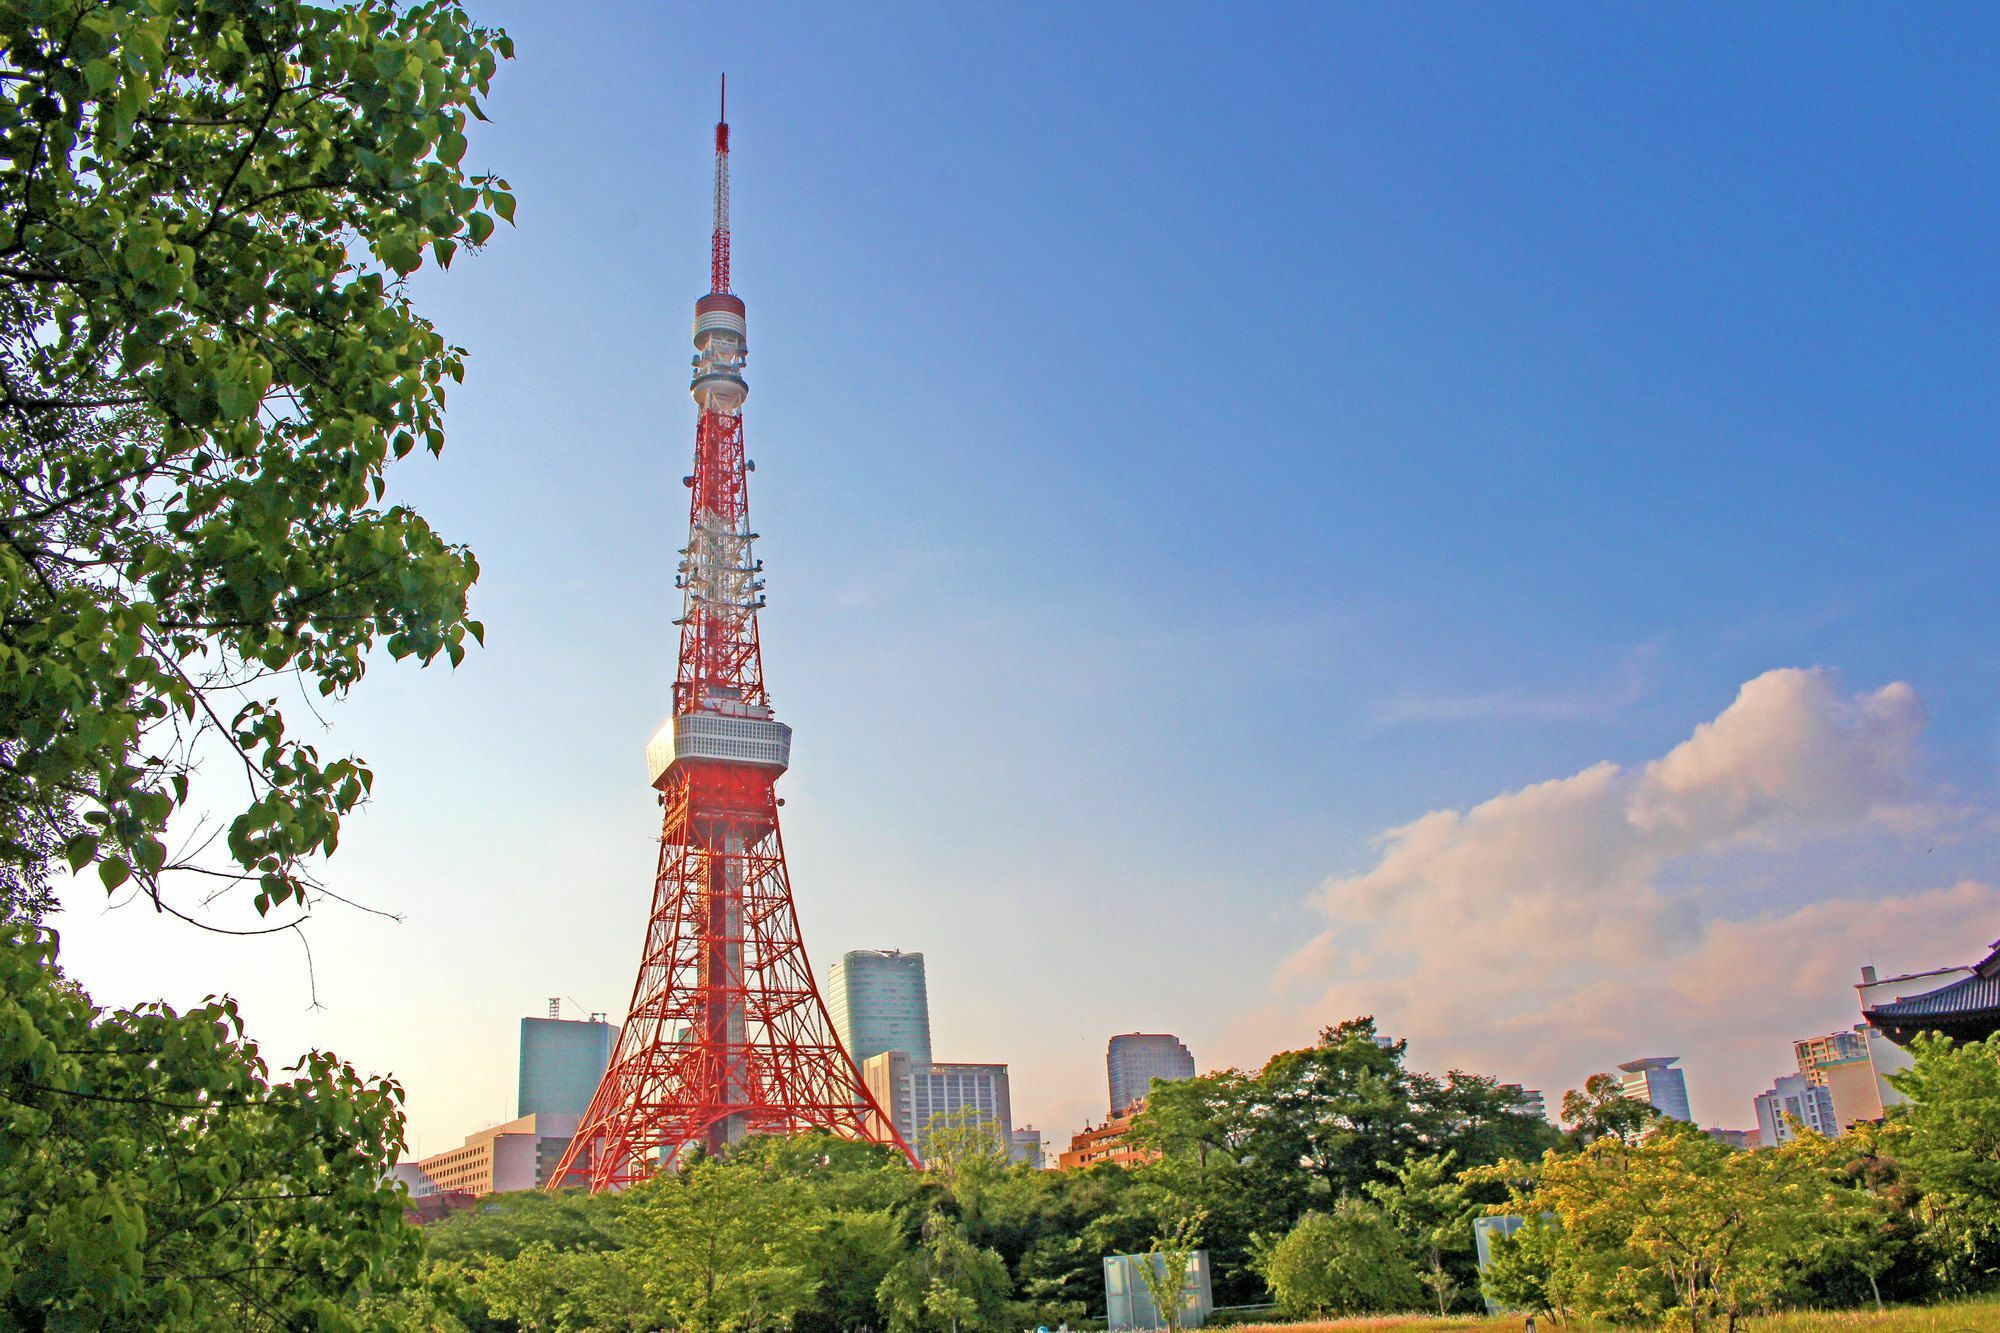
column 156, row 1176
column 207, row 360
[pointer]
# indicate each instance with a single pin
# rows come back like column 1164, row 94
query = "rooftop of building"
column 1974, row 996
column 1649, row 1063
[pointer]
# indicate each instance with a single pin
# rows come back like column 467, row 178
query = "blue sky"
column 1193, row 443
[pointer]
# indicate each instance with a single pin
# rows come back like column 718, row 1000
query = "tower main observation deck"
column 726, row 1034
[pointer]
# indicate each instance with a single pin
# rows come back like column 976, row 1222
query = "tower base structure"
column 727, row 1034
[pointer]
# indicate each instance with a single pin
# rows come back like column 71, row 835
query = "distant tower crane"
column 726, row 1034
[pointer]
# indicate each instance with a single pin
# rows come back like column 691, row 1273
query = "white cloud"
column 1554, row 930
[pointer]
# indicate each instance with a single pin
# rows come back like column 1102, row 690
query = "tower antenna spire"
column 718, row 246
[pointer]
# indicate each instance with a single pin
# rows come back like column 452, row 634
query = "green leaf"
column 114, row 871
column 79, row 850
column 399, row 253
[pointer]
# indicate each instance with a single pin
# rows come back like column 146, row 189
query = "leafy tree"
column 1881, row 1247
column 721, row 1246
column 1205, row 1132
column 948, row 1283
column 790, row 1232
column 207, row 361
column 1948, row 1140
column 1525, row 1271
column 1256, row 1152
column 1601, row 1109
column 1434, row 1215
column 1055, row 1227
column 546, row 1290
column 833, row 1173
column 506, row 1224
column 156, row 1176
column 1164, row 1271
column 1347, row 1261
column 851, row 1253
column 1679, row 1228
column 965, row 1151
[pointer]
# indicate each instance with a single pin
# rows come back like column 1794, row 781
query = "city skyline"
column 1505, row 380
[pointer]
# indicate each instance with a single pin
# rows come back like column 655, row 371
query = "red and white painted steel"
column 726, row 1034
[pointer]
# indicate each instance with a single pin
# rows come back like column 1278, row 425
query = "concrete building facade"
column 1094, row 1144
column 561, row 1062
column 1855, row 1089
column 1528, row 1100
column 918, row 1096
column 879, row 1002
column 1656, row 1082
column 1793, row 1098
column 518, row 1155
column 1883, row 1054
column 1814, row 1052
column 1133, row 1060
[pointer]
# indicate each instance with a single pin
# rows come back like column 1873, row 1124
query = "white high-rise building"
column 1135, row 1059
column 918, row 1096
column 879, row 1002
column 1793, row 1098
column 1655, row 1081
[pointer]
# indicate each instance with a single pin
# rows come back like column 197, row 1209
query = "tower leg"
column 727, row 1034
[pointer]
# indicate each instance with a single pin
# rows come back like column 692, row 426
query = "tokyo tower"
column 726, row 1034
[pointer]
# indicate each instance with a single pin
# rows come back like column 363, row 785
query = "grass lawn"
column 1980, row 1316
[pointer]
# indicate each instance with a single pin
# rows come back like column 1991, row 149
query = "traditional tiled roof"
column 1967, row 995
column 1976, row 994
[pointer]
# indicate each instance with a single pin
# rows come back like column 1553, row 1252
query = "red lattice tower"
column 727, row 1034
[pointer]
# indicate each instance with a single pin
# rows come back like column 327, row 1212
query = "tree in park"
column 1947, row 1140
column 1677, row 1229
column 1601, row 1109
column 1257, row 1151
column 1163, row 1270
column 965, row 1151
column 1349, row 1260
column 208, row 359
column 1525, row 1271
column 721, row 1247
column 154, row 1175
column 1432, row 1210
column 948, row 1284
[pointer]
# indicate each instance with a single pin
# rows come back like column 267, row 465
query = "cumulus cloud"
column 1554, row 930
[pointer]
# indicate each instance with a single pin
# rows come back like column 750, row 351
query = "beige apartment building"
column 519, row 1155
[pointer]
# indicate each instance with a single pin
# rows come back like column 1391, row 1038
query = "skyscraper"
column 879, row 1003
column 1135, row 1059
column 1656, row 1082
column 561, row 1062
